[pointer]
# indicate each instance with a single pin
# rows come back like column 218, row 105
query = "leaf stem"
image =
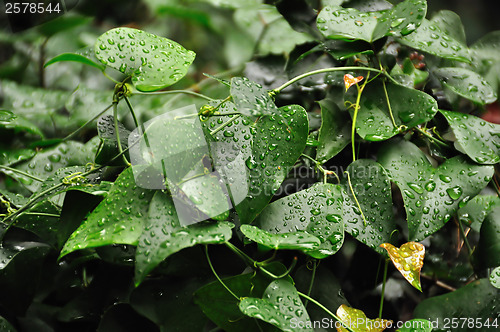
column 326, row 310
column 22, row 173
column 355, row 116
column 311, row 283
column 117, row 132
column 187, row 92
column 327, row 70
column 131, row 110
column 464, row 236
column 426, row 134
column 389, row 105
column 355, row 198
column 217, row 276
column 216, row 130
column 381, row 306
column 321, row 169
column 42, row 214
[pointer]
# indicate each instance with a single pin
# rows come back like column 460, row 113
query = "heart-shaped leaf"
column 119, row 218
column 280, row 306
column 475, row 300
column 164, row 235
column 404, row 18
column 292, row 240
column 476, row 210
column 467, row 84
column 254, row 158
column 334, row 133
column 321, row 218
column 251, row 98
column 153, row 62
column 410, row 107
column 372, row 188
column 430, row 194
column 431, row 39
column 358, row 322
column 495, row 277
column 451, row 24
column 479, row 139
column 408, row 259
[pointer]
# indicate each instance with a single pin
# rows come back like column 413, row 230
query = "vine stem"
column 355, row 116
column 321, row 169
column 86, row 123
column 462, row 232
column 355, row 198
column 217, row 276
column 117, row 132
column 389, row 105
column 327, row 70
column 383, row 289
column 187, row 92
column 7, row 168
column 311, row 284
column 326, row 310
column 426, row 134
column 222, row 126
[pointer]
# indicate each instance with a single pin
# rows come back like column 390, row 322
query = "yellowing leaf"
column 408, row 259
column 358, row 322
column 350, row 80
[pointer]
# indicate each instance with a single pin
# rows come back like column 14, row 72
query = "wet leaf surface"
column 334, row 134
column 408, row 259
column 358, row 322
column 431, row 195
column 495, row 277
column 410, row 107
column 164, row 235
column 251, row 98
column 476, row 210
column 154, row 62
column 291, row 240
column 14, row 123
column 372, row 188
column 317, row 211
column 467, row 84
column 479, row 139
column 279, row 306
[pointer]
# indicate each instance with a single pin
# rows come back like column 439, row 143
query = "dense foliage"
column 340, row 169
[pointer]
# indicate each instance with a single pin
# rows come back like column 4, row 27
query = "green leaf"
column 317, row 211
column 451, row 24
column 467, row 84
column 431, row 39
column 475, row 300
column 292, row 240
column 431, row 195
column 154, row 298
column 10, row 155
column 488, row 47
column 416, row 325
column 153, row 62
column 402, row 19
column 348, row 23
column 488, row 249
column 495, row 277
column 268, row 29
column 256, row 157
column 251, row 98
column 373, row 192
column 5, row 326
column 280, row 306
column 75, row 58
column 222, row 308
column 476, row 210
column 118, row 219
column 358, row 322
column 47, row 161
column 479, row 139
column 410, row 107
column 335, row 130
column 164, row 235
column 17, row 123
column 108, row 149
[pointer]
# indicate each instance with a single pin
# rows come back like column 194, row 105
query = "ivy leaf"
column 431, row 195
column 334, row 133
column 408, row 259
column 358, row 322
column 488, row 249
column 322, row 218
column 495, row 277
column 467, row 84
column 279, row 298
column 410, row 107
column 431, row 39
column 164, row 235
column 10, row 122
column 372, row 188
column 476, row 210
column 118, row 219
column 475, row 299
column 153, row 62
column 292, row 240
column 251, row 98
column 479, row 139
